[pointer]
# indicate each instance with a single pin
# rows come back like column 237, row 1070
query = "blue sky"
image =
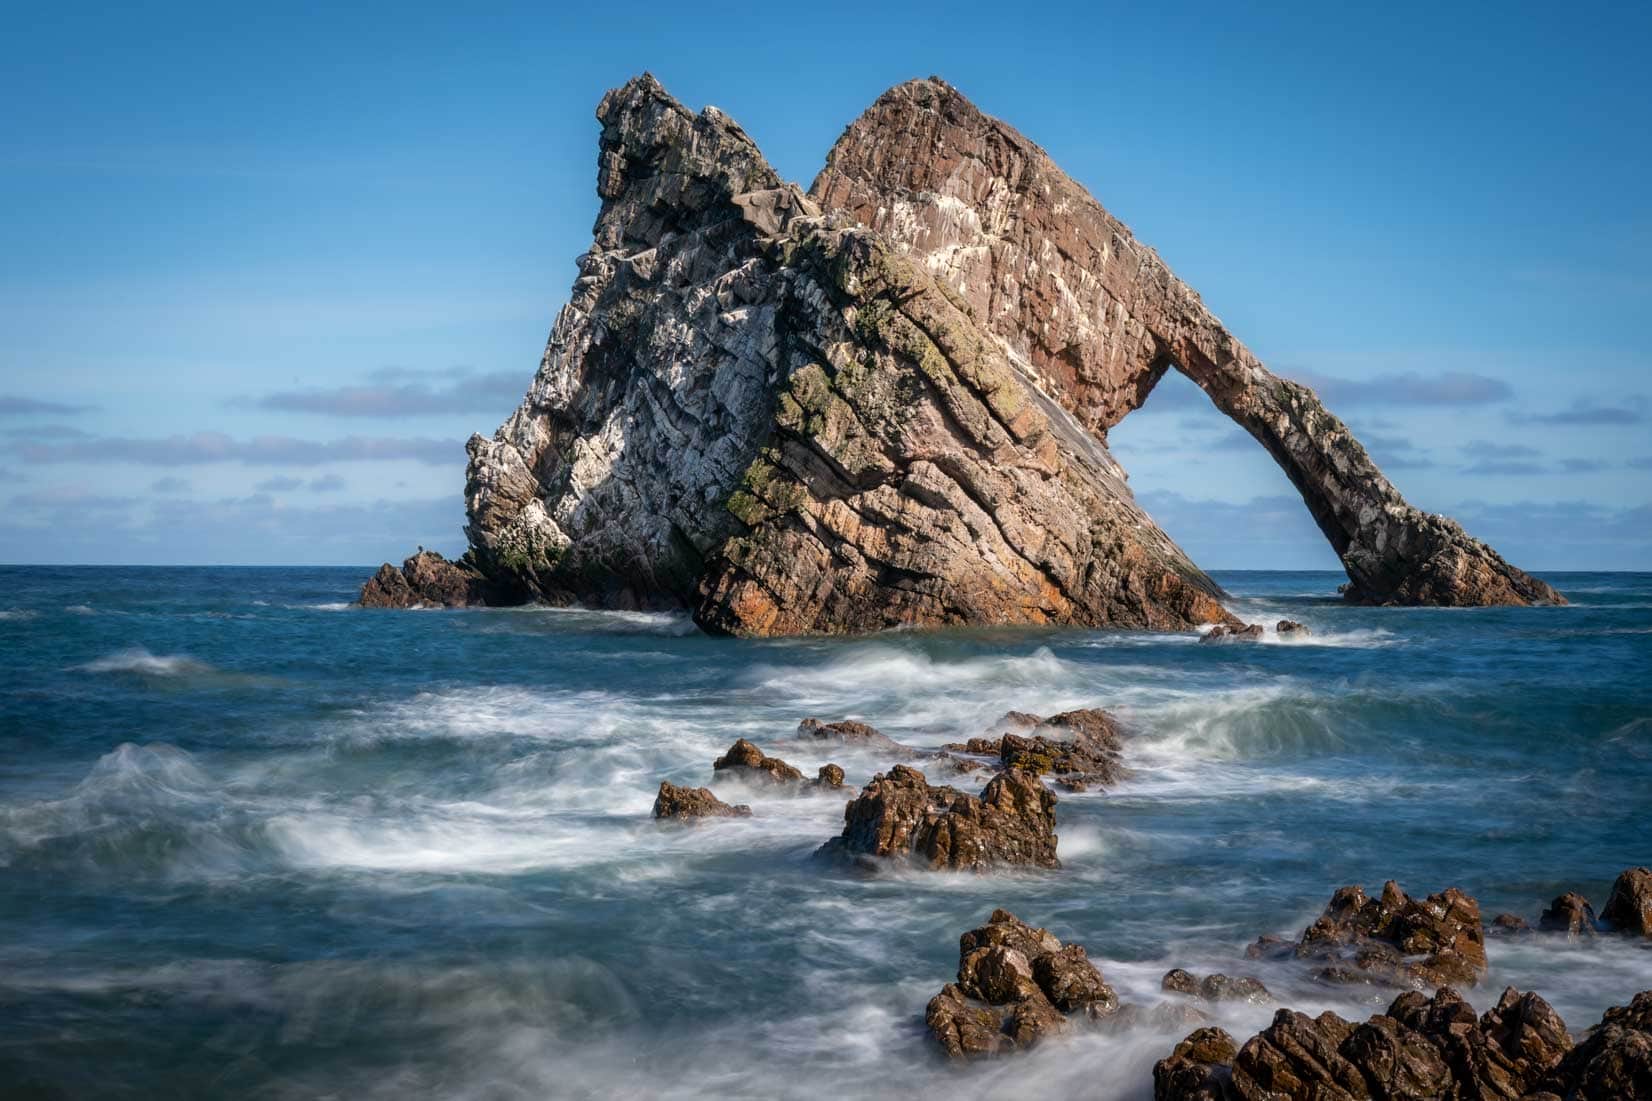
column 262, row 271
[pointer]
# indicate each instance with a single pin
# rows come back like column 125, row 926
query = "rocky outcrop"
column 688, row 804
column 1421, row 1049
column 1291, row 627
column 900, row 815
column 1076, row 749
column 773, row 418
column 746, row 762
column 1392, row 940
column 1097, row 317
column 1216, row 988
column 1570, row 914
column 1223, row 633
column 424, row 580
column 848, row 732
column 1016, row 986
column 1629, row 908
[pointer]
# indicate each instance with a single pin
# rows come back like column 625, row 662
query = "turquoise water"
column 257, row 843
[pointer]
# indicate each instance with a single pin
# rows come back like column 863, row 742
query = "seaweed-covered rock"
column 899, row 814
column 685, row 803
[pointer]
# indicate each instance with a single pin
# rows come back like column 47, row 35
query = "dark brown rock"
column 1421, row 1049
column 899, row 814
column 1075, row 749
column 1629, row 909
column 849, row 732
column 1200, row 1068
column 1217, row 987
column 1223, row 633
column 424, row 580
column 1570, row 914
column 829, row 776
column 1614, row 1061
column 1397, row 940
column 751, row 764
column 1098, row 318
column 691, row 803
column 1016, row 985
column 1509, row 925
column 1291, row 627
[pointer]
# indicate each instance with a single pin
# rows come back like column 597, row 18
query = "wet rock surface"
column 687, row 804
column 1075, row 749
column 1629, row 908
column 1390, row 940
column 1292, row 628
column 1016, row 986
column 424, row 580
column 850, row 733
column 1570, row 914
column 1421, row 1049
column 1222, row 633
column 745, row 761
column 901, row 815
column 1217, row 987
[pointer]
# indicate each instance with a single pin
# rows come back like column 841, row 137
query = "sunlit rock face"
column 886, row 405
column 1097, row 318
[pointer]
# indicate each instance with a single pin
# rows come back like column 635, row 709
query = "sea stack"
column 885, row 403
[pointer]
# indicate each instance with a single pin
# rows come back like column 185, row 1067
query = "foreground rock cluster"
column 1422, row 1049
column 884, row 402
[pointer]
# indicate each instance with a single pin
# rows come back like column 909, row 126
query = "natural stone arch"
column 1097, row 318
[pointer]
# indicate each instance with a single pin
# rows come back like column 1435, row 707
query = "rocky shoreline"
column 1019, row 987
column 884, row 402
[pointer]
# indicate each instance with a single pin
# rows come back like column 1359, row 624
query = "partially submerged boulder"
column 1570, row 914
column 1222, row 633
column 900, row 815
column 1076, row 749
column 688, row 804
column 1629, row 909
column 1016, row 986
column 424, row 580
column 745, row 761
column 850, row 733
column 1217, row 987
column 1392, row 940
column 1291, row 627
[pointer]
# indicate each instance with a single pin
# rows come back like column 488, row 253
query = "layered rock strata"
column 1069, row 293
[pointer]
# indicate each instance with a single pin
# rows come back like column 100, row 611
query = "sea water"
column 256, row 842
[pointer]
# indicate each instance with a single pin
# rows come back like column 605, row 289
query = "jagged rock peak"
column 770, row 417
column 1097, row 318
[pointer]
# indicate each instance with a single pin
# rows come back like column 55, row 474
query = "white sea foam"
column 14, row 614
column 80, row 609
column 140, row 661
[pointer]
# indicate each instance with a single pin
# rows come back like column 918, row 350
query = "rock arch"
column 1096, row 318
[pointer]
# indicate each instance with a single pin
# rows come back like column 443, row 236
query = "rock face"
column 746, row 761
column 1098, row 318
column 691, row 803
column 899, row 814
column 426, row 579
column 887, row 404
column 1016, row 985
column 1393, row 939
column 775, row 419
column 1421, row 1049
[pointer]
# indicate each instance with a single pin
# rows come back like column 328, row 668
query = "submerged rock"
column 1224, row 633
column 1422, row 1049
column 687, row 803
column 1016, row 986
column 899, row 814
column 1392, row 940
column 1629, row 909
column 1509, row 925
column 424, row 580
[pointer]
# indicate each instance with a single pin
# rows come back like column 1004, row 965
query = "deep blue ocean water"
column 255, row 842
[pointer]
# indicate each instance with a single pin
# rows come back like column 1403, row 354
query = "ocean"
column 258, row 843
